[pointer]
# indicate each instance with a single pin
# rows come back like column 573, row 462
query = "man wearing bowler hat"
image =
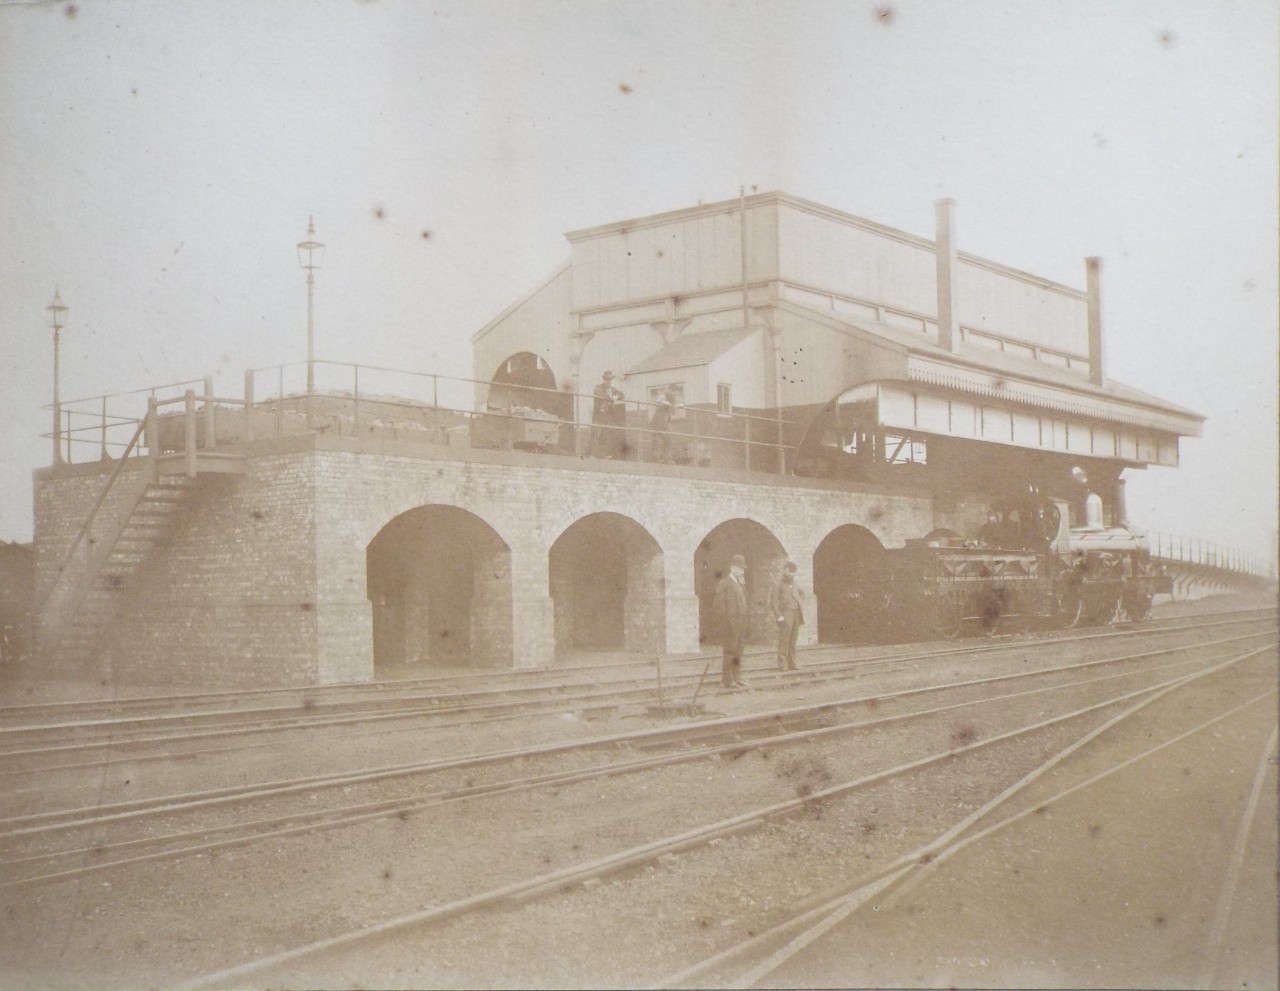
column 731, row 608
column 608, row 416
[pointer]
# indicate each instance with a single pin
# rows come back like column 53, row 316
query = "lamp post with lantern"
column 56, row 311
column 310, row 255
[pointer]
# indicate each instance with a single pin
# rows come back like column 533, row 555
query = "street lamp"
column 56, row 311
column 310, row 255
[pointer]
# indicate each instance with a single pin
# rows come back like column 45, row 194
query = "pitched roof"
column 690, row 350
column 988, row 360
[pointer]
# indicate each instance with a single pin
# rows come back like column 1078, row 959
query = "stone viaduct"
column 330, row 559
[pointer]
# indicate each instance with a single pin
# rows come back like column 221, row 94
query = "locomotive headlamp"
column 1078, row 474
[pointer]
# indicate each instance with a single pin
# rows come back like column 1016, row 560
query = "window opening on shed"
column 724, row 398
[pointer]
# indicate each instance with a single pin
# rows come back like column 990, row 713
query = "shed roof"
column 690, row 350
column 990, row 361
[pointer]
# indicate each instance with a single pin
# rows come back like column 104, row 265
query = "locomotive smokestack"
column 1093, row 288
column 945, row 226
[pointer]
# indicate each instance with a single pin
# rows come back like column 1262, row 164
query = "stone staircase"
column 79, row 618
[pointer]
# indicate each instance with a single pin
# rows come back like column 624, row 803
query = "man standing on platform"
column 785, row 603
column 731, row 608
column 660, row 424
column 608, row 418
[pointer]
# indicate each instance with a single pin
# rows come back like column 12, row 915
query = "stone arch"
column 439, row 579
column 845, row 557
column 764, row 555
column 605, row 573
column 525, row 379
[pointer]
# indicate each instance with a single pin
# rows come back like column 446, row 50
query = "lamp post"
column 56, row 311
column 310, row 255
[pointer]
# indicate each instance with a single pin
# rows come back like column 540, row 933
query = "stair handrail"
column 88, row 523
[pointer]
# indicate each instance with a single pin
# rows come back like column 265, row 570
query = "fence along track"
column 308, row 822
column 522, row 891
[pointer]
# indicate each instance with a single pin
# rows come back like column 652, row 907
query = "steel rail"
column 831, row 673
column 1231, row 879
column 98, row 814
column 309, row 822
column 907, row 869
column 9, row 713
column 522, row 891
column 235, row 722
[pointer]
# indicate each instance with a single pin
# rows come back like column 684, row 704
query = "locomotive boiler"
column 1025, row 567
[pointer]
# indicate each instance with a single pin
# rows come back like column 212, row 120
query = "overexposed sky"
column 159, row 160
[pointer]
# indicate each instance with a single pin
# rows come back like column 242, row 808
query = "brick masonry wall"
column 529, row 501
column 264, row 579
column 230, row 599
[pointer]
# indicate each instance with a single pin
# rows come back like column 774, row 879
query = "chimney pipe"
column 1093, row 288
column 945, row 225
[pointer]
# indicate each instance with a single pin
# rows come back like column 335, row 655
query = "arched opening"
column 607, row 589
column 844, row 568
column 764, row 556
column 526, row 381
column 439, row 579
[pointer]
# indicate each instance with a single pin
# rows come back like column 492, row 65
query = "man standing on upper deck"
column 608, row 417
column 785, row 603
column 660, row 424
column 731, row 609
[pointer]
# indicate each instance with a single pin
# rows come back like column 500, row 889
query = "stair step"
column 107, row 590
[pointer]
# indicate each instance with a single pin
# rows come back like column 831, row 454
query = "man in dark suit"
column 608, row 419
column 785, row 603
column 731, row 608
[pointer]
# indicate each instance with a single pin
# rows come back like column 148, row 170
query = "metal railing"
column 368, row 400
column 104, row 425
column 1206, row 553
column 377, row 402
column 72, row 572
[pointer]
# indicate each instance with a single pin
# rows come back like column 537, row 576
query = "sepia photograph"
column 612, row 494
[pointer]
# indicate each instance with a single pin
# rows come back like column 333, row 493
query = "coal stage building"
column 787, row 381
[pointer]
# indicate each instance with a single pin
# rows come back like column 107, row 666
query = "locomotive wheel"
column 1136, row 606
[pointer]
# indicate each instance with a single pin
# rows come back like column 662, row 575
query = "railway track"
column 1063, row 735
column 73, row 743
column 777, row 956
column 696, row 742
column 760, row 725
column 661, row 752
column 457, row 686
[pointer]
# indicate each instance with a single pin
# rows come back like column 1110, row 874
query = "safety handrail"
column 88, row 522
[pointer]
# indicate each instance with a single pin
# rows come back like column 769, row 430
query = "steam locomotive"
column 1026, row 567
